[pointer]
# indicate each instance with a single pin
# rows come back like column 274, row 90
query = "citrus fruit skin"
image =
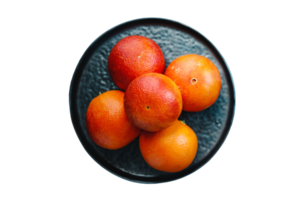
column 198, row 80
column 107, row 123
column 133, row 56
column 170, row 150
column 152, row 102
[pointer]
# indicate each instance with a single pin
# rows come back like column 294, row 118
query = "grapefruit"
column 198, row 80
column 133, row 56
column 170, row 150
column 152, row 102
column 107, row 123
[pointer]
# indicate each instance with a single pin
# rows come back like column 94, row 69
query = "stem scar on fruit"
column 147, row 107
column 193, row 80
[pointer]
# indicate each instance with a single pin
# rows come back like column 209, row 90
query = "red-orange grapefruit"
column 152, row 102
column 107, row 123
column 198, row 80
column 170, row 150
column 133, row 56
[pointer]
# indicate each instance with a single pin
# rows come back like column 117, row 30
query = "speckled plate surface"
column 91, row 77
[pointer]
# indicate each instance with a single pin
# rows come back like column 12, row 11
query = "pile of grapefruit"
column 152, row 102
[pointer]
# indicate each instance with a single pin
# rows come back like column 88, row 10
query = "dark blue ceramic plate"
column 91, row 77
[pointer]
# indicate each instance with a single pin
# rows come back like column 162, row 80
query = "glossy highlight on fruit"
column 107, row 123
column 198, row 80
column 170, row 150
column 133, row 56
column 152, row 102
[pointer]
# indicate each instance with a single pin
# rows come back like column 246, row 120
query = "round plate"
column 91, row 77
